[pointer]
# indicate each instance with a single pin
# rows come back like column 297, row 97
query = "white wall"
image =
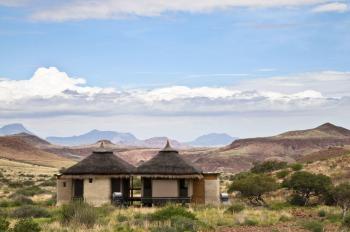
column 212, row 191
column 98, row 192
column 165, row 188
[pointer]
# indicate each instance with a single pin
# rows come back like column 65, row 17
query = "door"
column 147, row 192
column 126, row 188
column 183, row 188
column 147, row 187
column 115, row 185
column 78, row 188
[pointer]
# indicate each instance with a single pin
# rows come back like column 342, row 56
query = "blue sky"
column 133, row 48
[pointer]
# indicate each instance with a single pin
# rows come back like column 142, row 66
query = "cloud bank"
column 115, row 9
column 51, row 92
column 332, row 7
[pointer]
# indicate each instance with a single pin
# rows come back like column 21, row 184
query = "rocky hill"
column 293, row 144
column 26, row 148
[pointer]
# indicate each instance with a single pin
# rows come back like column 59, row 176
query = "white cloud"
column 46, row 83
column 51, row 92
column 332, row 7
column 106, row 9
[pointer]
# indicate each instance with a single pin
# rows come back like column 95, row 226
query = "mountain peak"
column 212, row 140
column 333, row 129
column 14, row 128
column 327, row 126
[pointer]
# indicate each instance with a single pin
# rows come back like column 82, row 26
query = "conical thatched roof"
column 101, row 162
column 168, row 163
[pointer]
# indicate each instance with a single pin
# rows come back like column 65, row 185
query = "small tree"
column 4, row 224
column 268, row 166
column 254, row 186
column 26, row 225
column 306, row 185
column 341, row 195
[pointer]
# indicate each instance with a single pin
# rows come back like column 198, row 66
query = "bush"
column 346, row 221
column 250, row 222
column 268, row 166
column 26, row 225
column 184, row 224
column 121, row 218
column 341, row 194
column 306, row 184
column 49, row 183
column 30, row 191
column 278, row 205
column 4, row 224
column 22, row 200
column 322, row 213
column 78, row 213
column 253, row 186
column 282, row 174
column 297, row 200
column 296, row 167
column 314, row 226
column 235, row 208
column 28, row 211
column 171, row 211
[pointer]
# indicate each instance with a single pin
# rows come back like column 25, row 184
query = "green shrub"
column 78, row 213
column 314, row 226
column 30, row 191
column 26, row 225
column 17, row 200
column 296, row 166
column 306, row 185
column 21, row 200
column 346, row 221
column 322, row 213
column 268, row 166
column 4, row 224
column 49, row 183
column 235, row 208
column 184, row 224
column 334, row 217
column 278, row 205
column 164, row 229
column 253, row 186
column 250, row 222
column 28, row 211
column 284, row 218
column 14, row 184
column 297, row 200
column 282, row 174
column 171, row 211
column 121, row 218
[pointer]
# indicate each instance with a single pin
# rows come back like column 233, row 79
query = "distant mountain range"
column 94, row 136
column 123, row 139
column 212, row 140
column 323, row 142
column 12, row 129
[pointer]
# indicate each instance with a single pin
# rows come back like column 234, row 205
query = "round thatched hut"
column 95, row 178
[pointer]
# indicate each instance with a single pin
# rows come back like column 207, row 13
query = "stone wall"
column 64, row 191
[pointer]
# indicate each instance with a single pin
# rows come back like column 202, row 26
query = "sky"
column 174, row 68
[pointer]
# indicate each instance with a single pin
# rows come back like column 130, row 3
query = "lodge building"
column 167, row 177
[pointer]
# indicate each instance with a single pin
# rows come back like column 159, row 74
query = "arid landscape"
column 28, row 165
column 174, row 116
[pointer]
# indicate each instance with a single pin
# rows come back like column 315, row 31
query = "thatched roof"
column 168, row 163
column 101, row 162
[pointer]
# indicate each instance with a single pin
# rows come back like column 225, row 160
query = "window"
column 90, row 180
column 64, row 184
